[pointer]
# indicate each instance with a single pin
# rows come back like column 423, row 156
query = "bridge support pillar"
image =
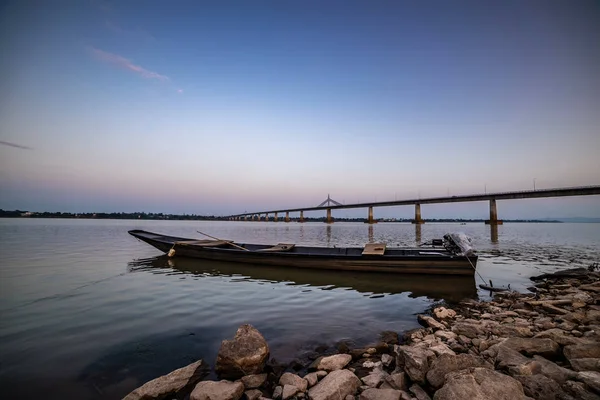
column 329, row 218
column 287, row 216
column 417, row 219
column 259, row 217
column 245, row 218
column 493, row 214
column 275, row 218
column 267, row 217
column 301, row 216
column 370, row 219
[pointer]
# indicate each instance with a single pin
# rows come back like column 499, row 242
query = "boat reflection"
column 449, row 288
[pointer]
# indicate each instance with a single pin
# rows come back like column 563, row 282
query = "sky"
column 221, row 107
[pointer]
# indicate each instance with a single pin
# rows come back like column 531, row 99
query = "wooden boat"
column 373, row 257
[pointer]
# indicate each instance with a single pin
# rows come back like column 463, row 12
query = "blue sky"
column 220, row 107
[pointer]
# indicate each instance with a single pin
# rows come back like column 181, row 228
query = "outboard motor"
column 458, row 244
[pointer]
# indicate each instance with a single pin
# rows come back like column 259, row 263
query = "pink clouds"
column 122, row 62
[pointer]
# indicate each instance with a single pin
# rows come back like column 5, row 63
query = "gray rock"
column 336, row 385
column 311, row 379
column 590, row 378
column 178, row 381
column 447, row 363
column 539, row 387
column 397, row 381
column 419, row 393
column 253, row 394
column 334, row 362
column 380, row 394
column 530, row 346
column 428, row 321
column 585, row 364
column 415, row 361
column 289, row 391
column 246, row 354
column 292, row 379
column 253, row 381
column 222, row 390
column 480, row 384
column 553, row 371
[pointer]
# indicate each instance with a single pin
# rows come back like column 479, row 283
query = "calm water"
column 87, row 311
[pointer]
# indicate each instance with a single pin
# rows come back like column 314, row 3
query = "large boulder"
column 223, row 390
column 335, row 386
column 553, row 371
column 480, row 384
column 585, row 364
column 539, row 387
column 179, row 381
column 559, row 336
column 331, row 363
column 447, row 363
column 591, row 350
column 246, row 354
column 530, row 346
column 590, row 378
column 470, row 330
column 578, row 391
column 415, row 361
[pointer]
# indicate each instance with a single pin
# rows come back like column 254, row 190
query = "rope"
column 477, row 272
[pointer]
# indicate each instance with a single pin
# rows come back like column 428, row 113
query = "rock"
column 505, row 357
column 513, row 331
column 397, row 381
column 578, row 390
column 591, row 350
column 469, row 330
column 349, row 397
column 553, row 371
column 178, row 381
column 415, row 361
column 292, row 379
column 277, row 392
column 540, row 387
column 389, row 337
column 336, row 385
column 441, row 348
column 246, row 354
column 558, row 335
column 223, row 390
column 447, row 363
column 372, row 364
column 590, row 378
column 289, row 391
column 253, row 381
column 375, row 378
column 321, row 374
column 311, row 379
column 419, row 393
column 585, row 364
column 427, row 321
column 334, row 362
column 446, row 335
column 530, row 346
column 386, row 359
column 380, row 394
column 444, row 313
column 253, row 394
column 480, row 384
column 530, row 368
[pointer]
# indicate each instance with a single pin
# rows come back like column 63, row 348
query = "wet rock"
column 591, row 379
column 447, row 363
column 531, row 346
column 415, row 361
column 336, row 385
column 444, row 313
column 539, row 387
column 480, row 384
column 311, row 379
column 585, row 364
column 289, row 391
column 419, row 393
column 427, row 321
column 253, row 381
column 554, row 371
column 332, row 363
column 179, row 381
column 380, row 394
column 292, row 379
column 246, row 354
column 222, row 390
column 253, row 394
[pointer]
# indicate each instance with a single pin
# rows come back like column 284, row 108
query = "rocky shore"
column 542, row 345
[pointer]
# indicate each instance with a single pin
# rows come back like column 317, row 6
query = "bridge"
column 328, row 205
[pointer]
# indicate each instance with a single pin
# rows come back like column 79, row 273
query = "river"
column 89, row 312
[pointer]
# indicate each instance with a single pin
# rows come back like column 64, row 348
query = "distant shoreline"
column 193, row 217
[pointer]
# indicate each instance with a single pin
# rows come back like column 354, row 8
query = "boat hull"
column 348, row 259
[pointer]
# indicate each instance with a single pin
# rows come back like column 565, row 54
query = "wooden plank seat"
column 204, row 243
column 374, row 249
column 280, row 247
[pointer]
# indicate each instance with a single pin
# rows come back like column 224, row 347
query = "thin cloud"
column 133, row 34
column 18, row 146
column 123, row 62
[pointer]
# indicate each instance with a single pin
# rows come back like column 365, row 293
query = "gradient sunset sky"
column 218, row 107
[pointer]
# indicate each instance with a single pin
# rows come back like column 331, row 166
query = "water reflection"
column 328, row 234
column 449, row 288
column 418, row 233
column 494, row 233
column 371, row 240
